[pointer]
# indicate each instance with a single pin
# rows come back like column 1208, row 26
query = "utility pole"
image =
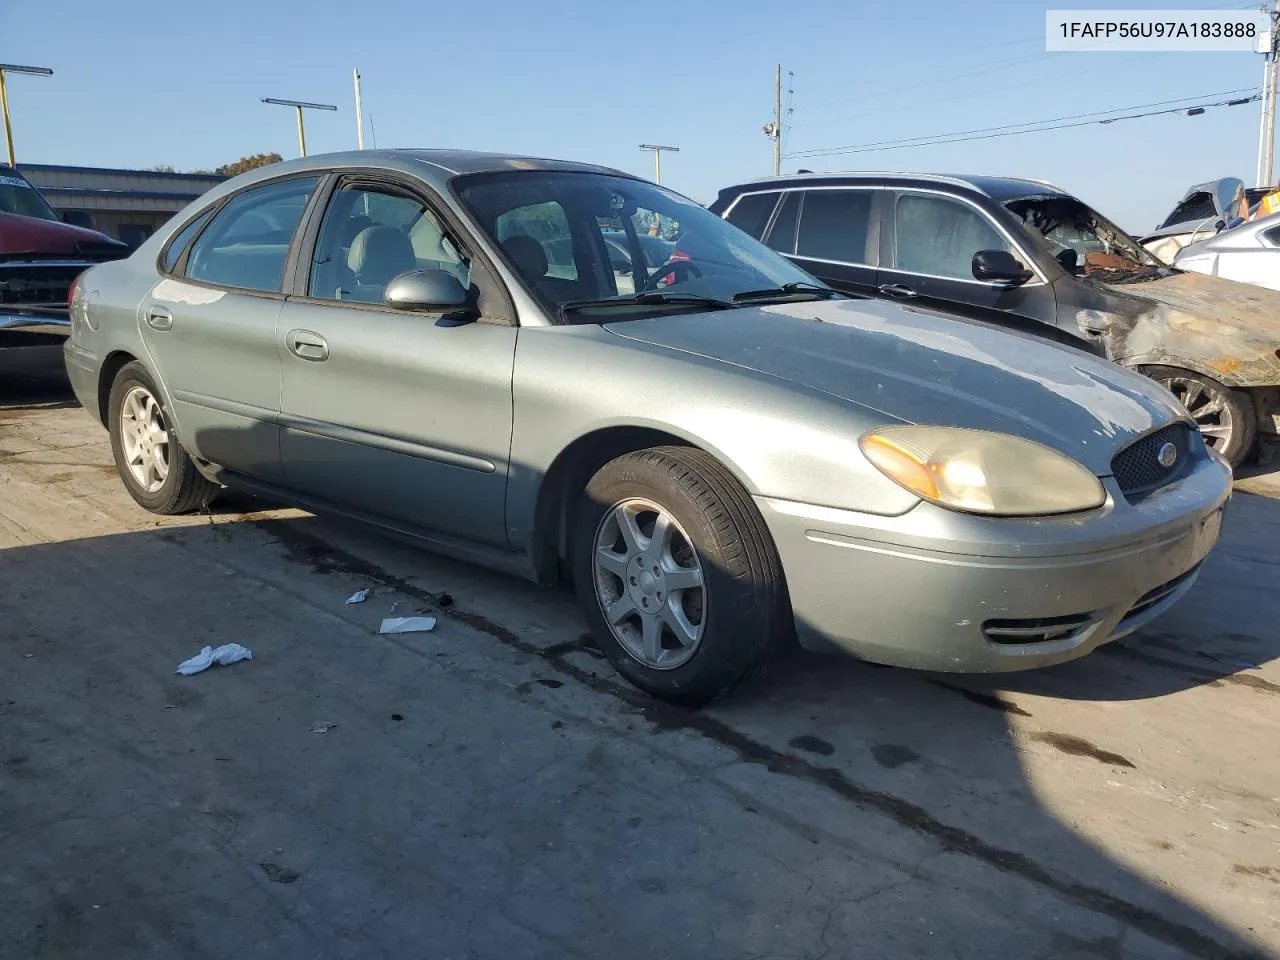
column 299, row 105
column 773, row 130
column 4, row 100
column 359, row 113
column 1271, row 101
column 657, row 158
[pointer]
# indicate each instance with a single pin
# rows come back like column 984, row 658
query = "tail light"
column 71, row 290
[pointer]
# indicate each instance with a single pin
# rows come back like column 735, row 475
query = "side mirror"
column 79, row 218
column 432, row 291
column 999, row 266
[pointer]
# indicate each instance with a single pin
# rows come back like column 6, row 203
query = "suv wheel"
column 1225, row 416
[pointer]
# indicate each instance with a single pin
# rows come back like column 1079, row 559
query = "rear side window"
column 1272, row 236
column 782, row 235
column 834, row 225
column 751, row 213
column 179, row 243
column 247, row 242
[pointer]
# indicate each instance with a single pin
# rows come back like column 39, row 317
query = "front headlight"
column 981, row 472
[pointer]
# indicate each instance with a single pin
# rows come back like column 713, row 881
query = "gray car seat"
column 377, row 255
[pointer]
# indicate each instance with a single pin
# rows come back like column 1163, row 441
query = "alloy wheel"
column 649, row 584
column 145, row 439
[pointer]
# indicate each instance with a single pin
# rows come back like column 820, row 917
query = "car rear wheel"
column 155, row 469
column 677, row 575
column 1225, row 416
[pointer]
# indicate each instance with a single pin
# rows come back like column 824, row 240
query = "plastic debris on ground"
column 407, row 624
column 224, row 656
column 360, row 596
column 323, row 726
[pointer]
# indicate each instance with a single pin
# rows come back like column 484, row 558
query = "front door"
column 210, row 326
column 927, row 258
column 402, row 415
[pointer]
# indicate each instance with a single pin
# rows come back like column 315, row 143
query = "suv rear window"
column 751, row 213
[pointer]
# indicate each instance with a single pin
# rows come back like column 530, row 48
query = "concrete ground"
column 491, row 789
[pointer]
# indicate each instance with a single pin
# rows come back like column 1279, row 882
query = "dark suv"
column 1028, row 256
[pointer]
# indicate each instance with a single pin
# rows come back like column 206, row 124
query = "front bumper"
column 31, row 339
column 933, row 589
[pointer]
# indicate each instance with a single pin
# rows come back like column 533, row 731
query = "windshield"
column 18, row 196
column 1084, row 242
column 595, row 247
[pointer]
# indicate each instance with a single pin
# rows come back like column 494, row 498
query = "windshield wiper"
column 786, row 291
column 654, row 297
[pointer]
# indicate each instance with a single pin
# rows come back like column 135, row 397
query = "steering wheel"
column 667, row 269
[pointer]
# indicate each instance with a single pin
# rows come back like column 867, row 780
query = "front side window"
column 247, row 242
column 834, row 225
column 751, row 213
column 586, row 245
column 938, row 236
column 369, row 236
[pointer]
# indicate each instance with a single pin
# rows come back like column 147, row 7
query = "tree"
column 161, row 168
column 245, row 164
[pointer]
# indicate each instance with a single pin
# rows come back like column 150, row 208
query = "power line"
column 1031, row 126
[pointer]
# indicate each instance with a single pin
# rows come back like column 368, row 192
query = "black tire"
column 745, row 614
column 1239, row 444
column 184, row 488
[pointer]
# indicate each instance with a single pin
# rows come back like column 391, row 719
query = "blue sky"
column 147, row 82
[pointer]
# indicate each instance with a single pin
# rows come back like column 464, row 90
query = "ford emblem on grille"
column 1168, row 455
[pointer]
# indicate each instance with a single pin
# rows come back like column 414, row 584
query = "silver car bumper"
column 31, row 340
column 937, row 590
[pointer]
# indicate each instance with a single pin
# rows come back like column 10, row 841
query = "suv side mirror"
column 432, row 291
column 999, row 266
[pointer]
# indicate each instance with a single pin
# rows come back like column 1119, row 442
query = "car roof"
column 435, row 166
column 997, row 188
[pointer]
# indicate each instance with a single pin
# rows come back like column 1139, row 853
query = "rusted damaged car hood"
column 1227, row 330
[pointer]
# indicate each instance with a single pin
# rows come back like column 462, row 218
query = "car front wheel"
column 677, row 574
column 1225, row 416
column 156, row 470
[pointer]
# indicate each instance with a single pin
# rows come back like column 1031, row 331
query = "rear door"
column 399, row 414
column 927, row 247
column 210, row 324
column 832, row 233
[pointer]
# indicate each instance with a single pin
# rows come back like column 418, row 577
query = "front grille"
column 38, row 284
column 1035, row 630
column 1137, row 468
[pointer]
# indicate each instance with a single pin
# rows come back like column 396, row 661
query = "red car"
column 40, row 258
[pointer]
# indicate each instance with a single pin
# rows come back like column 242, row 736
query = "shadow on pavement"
column 847, row 810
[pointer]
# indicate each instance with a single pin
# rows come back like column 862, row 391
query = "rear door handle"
column 897, row 290
column 308, row 346
column 158, row 318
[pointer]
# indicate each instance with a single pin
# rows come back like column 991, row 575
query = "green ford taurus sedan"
column 722, row 453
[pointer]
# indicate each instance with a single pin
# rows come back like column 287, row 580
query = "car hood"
column 31, row 235
column 1241, row 308
column 916, row 367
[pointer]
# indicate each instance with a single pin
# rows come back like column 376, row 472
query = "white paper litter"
column 323, row 726
column 407, row 624
column 360, row 596
column 224, row 655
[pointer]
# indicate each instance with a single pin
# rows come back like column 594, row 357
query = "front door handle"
column 158, row 318
column 307, row 345
column 897, row 290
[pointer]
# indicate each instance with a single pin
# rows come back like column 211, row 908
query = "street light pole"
column 359, row 113
column 4, row 100
column 657, row 158
column 299, row 105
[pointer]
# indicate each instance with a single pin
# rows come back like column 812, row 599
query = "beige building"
column 129, row 205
